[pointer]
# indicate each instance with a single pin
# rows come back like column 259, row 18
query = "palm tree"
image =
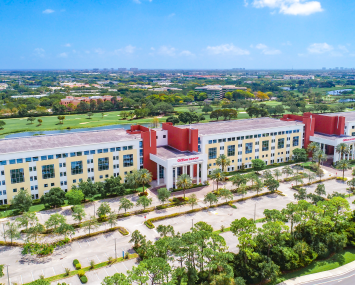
column 343, row 165
column 184, row 181
column 287, row 170
column 223, row 161
column 144, row 177
column 313, row 147
column 342, row 149
column 217, row 175
column 320, row 156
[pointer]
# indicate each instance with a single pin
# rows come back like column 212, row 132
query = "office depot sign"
column 348, row 140
column 187, row 159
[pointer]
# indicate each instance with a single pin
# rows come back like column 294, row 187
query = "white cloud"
column 171, row 15
column 291, row 7
column 40, row 52
column 167, row 51
column 226, row 49
column 99, row 51
column 63, row 55
column 319, row 48
column 288, row 43
column 343, row 48
column 128, row 49
column 48, row 11
column 186, row 53
column 67, row 45
column 137, row 1
column 266, row 50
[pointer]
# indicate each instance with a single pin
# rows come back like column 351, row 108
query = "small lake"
column 38, row 133
column 286, row 88
column 346, row 100
column 338, row 92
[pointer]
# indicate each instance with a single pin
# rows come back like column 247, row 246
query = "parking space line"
column 54, row 271
column 79, row 244
column 33, row 279
column 98, row 258
column 21, row 279
column 124, row 265
column 97, row 277
column 106, row 272
column 88, row 243
column 115, row 268
column 97, row 241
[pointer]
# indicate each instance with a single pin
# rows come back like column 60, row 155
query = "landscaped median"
column 297, row 187
column 150, row 225
column 89, row 268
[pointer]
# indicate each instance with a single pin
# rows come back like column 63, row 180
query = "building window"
column 295, row 141
column 265, row 145
column 128, row 160
column 231, row 150
column 248, row 147
column 48, row 171
column 103, row 163
column 76, row 167
column 280, row 143
column 212, row 153
column 17, row 175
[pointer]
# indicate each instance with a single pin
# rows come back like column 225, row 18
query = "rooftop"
column 64, row 140
column 349, row 116
column 166, row 152
column 233, row 126
column 330, row 137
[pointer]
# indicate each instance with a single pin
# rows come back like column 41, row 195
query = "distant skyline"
column 185, row 34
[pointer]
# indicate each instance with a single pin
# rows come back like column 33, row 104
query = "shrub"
column 92, row 264
column 123, row 231
column 341, row 178
column 149, row 224
column 143, row 194
column 67, row 271
column 75, row 262
column 81, row 272
column 83, row 279
column 78, row 266
column 36, row 202
column 4, row 207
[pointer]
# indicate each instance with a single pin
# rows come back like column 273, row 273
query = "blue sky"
column 170, row 34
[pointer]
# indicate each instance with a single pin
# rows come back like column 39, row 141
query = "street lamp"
column 254, row 212
column 8, row 277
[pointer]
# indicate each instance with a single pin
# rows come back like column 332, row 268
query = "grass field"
column 337, row 260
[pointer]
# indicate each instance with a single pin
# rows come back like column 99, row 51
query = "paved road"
column 346, row 279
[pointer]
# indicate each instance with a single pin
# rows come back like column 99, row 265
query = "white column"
column 176, row 176
column 192, row 171
column 198, row 173
column 203, row 171
column 353, row 151
column 158, row 175
column 184, row 169
column 335, row 155
column 324, row 147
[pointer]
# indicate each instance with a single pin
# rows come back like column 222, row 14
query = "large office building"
column 39, row 163
column 217, row 92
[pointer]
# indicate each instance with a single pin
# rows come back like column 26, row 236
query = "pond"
column 338, row 92
column 39, row 133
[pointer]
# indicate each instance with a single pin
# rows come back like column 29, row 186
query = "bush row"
column 313, row 182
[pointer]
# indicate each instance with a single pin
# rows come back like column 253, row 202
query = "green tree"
column 351, row 183
column 88, row 188
column 343, row 165
column 27, row 219
column 90, row 224
column 272, row 184
column 165, row 230
column 2, row 124
column 342, row 149
column 258, row 165
column 65, row 230
column 132, row 180
column 145, row 177
column 210, row 198
column 103, row 210
column 163, row 195
column 144, row 201
column 207, row 108
column 242, row 190
column 320, row 190
column 258, row 185
column 35, row 231
column 173, row 120
column 226, row 194
column 22, row 201
column 116, row 279
column 320, row 156
column 112, row 219
column 223, row 161
column 54, row 198
column 74, row 196
column 277, row 174
column 217, row 175
column 125, row 204
column 301, row 195
column 313, row 147
column 287, row 171
column 184, row 181
column 192, row 201
column 78, row 213
column 12, row 231
column 238, row 180
column 89, row 114
column 298, row 179
column 54, row 221
column 300, row 155
column 31, row 119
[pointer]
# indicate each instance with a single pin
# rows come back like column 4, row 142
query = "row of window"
column 212, row 152
column 72, row 154
column 253, row 136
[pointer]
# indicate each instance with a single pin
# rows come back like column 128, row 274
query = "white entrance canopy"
column 170, row 159
column 334, row 140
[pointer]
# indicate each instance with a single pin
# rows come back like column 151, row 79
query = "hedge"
column 310, row 183
column 83, row 279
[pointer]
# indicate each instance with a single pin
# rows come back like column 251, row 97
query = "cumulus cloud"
column 63, row 55
column 290, row 7
column 40, row 52
column 266, row 50
column 48, row 11
column 99, row 51
column 167, row 51
column 67, row 45
column 226, row 49
column 171, row 15
column 186, row 53
column 127, row 49
column 319, row 48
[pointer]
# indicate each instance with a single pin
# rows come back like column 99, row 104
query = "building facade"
column 40, row 163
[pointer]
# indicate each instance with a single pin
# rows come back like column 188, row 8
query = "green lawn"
column 337, row 260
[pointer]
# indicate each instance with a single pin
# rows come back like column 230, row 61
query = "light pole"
column 94, row 210
column 192, row 223
column 254, row 212
column 115, row 251
column 8, row 277
column 3, row 227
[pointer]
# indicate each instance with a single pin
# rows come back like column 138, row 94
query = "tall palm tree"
column 223, row 161
column 342, row 149
column 217, row 175
column 313, row 147
column 184, row 181
column 144, row 177
column 343, row 165
column 320, row 156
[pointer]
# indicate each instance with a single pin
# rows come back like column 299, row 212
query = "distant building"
column 218, row 91
column 3, row 86
column 298, row 77
column 121, row 69
column 76, row 100
column 133, row 69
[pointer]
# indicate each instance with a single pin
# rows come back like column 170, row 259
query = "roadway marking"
column 21, row 279
column 115, row 268
column 342, row 278
column 53, row 270
column 32, row 276
column 124, row 265
column 97, row 277
column 98, row 258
